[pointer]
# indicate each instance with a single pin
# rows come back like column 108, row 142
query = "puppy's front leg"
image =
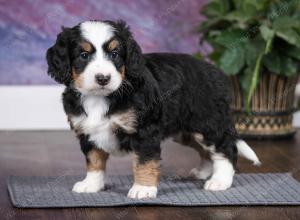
column 146, row 177
column 94, row 180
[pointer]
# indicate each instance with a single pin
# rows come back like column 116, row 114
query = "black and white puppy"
column 119, row 100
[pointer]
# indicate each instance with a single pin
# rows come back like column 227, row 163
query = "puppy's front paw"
column 215, row 184
column 142, row 192
column 87, row 187
column 93, row 182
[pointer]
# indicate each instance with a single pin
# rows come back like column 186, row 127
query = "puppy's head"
column 95, row 57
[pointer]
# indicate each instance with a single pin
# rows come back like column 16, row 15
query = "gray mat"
column 247, row 189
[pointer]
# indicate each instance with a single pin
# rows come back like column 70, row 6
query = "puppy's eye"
column 84, row 55
column 114, row 55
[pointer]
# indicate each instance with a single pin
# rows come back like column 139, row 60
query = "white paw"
column 200, row 174
column 141, row 192
column 93, row 182
column 87, row 187
column 215, row 184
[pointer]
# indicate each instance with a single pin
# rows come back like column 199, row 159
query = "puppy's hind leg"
column 222, row 176
column 204, row 171
column 206, row 166
column 222, row 167
column 195, row 141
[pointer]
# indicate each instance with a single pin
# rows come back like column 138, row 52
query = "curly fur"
column 170, row 94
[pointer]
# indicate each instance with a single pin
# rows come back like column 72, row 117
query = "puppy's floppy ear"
column 134, row 59
column 59, row 67
column 133, row 55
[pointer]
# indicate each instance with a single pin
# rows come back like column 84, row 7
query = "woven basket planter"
column 272, row 107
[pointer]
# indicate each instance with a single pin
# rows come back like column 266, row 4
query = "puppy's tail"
column 245, row 151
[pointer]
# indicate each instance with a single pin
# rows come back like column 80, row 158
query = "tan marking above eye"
column 113, row 45
column 86, row 46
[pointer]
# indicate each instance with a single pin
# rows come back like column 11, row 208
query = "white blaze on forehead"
column 96, row 32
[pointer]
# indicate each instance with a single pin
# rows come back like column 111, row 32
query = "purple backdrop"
column 28, row 28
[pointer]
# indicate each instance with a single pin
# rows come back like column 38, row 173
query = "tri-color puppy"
column 119, row 100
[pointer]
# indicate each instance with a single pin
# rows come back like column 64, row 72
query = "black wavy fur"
column 171, row 93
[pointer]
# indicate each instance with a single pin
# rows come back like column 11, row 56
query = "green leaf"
column 215, row 55
column 281, row 8
column 288, row 50
column 284, row 22
column 290, row 36
column 233, row 60
column 260, row 4
column 208, row 24
column 285, row 28
column 216, row 8
column 245, row 80
column 250, row 8
column 238, row 4
column 297, row 14
column 266, row 32
column 253, row 49
column 280, row 64
column 288, row 66
column 231, row 38
column 238, row 16
column 272, row 62
column 213, row 24
column 293, row 52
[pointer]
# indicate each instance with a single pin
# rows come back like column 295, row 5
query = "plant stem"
column 254, row 80
column 255, row 77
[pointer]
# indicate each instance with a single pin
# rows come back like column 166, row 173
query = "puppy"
column 119, row 100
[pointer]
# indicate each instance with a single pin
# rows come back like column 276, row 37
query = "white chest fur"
column 95, row 124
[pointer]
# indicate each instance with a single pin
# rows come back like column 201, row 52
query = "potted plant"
column 257, row 44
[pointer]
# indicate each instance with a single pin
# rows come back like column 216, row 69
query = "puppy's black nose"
column 102, row 80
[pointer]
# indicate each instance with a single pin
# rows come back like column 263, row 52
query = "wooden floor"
column 58, row 153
